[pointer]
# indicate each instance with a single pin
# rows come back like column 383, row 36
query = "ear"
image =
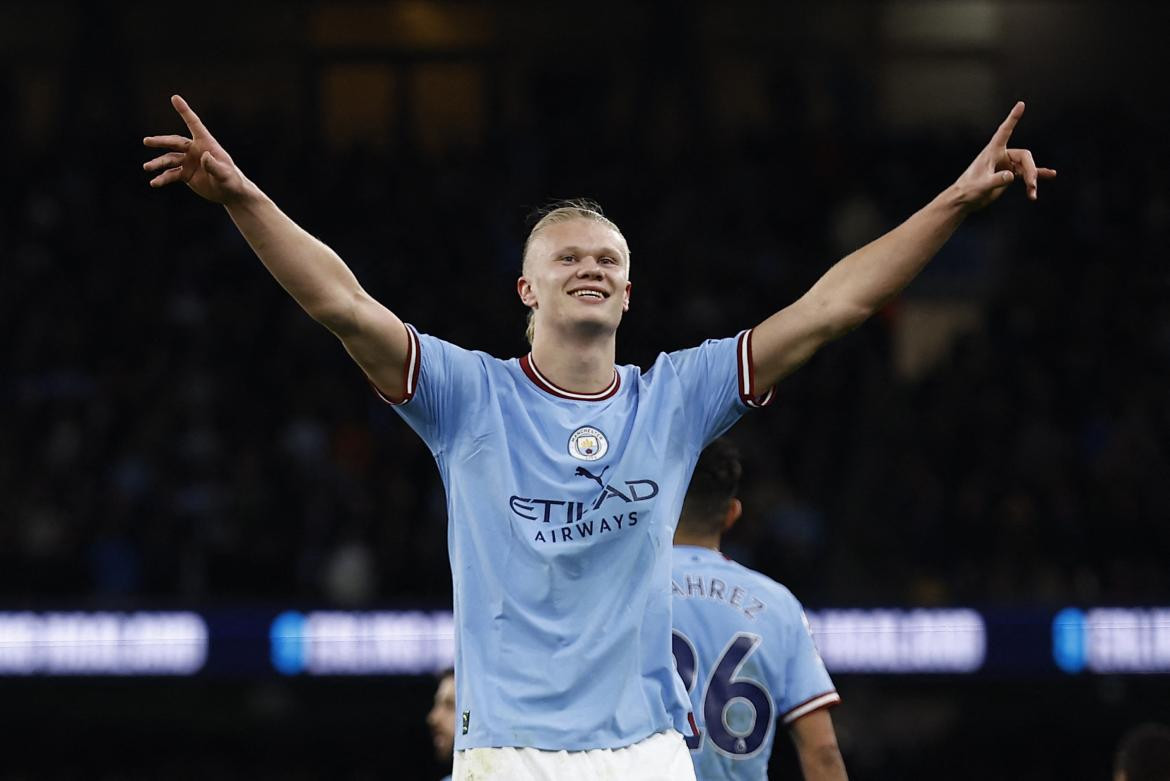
column 526, row 293
column 732, row 513
column 626, row 297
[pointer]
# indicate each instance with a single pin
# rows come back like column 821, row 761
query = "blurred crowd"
column 174, row 430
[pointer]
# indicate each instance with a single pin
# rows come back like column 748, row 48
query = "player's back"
column 745, row 654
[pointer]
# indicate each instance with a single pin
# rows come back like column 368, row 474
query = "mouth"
column 589, row 294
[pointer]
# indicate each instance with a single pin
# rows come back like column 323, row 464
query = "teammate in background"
column 441, row 719
column 565, row 473
column 1143, row 754
column 742, row 644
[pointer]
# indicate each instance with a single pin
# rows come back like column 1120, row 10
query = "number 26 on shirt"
column 723, row 691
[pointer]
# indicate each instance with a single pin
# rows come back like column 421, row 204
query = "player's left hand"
column 996, row 167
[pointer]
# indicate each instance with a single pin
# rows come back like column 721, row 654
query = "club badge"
column 588, row 444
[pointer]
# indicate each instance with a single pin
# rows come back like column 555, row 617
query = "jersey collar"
column 548, row 386
column 700, row 551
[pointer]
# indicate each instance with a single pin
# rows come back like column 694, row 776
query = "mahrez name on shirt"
column 717, row 590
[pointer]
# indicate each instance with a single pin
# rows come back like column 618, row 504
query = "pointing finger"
column 194, row 124
column 175, row 143
column 1004, row 132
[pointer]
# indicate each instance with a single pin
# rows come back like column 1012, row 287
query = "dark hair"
column 1144, row 753
column 714, row 483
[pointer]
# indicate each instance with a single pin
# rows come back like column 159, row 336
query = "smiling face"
column 576, row 278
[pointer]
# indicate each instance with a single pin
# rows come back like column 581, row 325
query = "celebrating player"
column 742, row 645
column 565, row 473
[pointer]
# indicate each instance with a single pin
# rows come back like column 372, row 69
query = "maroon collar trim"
column 548, row 386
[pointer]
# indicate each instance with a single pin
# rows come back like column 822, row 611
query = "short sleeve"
column 807, row 685
column 443, row 384
column 718, row 383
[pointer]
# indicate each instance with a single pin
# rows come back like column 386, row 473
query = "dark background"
column 174, row 432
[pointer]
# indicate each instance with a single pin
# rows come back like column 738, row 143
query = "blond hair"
column 565, row 211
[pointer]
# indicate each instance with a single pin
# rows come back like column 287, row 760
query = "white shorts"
column 661, row 757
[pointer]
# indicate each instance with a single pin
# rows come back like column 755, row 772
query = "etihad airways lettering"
column 569, row 515
column 545, row 510
column 586, row 529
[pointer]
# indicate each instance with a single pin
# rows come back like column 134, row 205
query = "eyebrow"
column 603, row 252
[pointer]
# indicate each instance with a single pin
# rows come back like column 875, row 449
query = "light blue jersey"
column 561, row 509
column 746, row 656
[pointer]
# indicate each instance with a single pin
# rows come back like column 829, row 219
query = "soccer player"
column 441, row 719
column 742, row 645
column 565, row 473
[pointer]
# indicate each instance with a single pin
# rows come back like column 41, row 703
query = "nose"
column 589, row 269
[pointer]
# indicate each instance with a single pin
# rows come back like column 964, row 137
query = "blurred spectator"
column 441, row 720
column 1143, row 754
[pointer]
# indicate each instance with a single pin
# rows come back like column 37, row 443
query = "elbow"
column 840, row 317
column 850, row 317
column 339, row 315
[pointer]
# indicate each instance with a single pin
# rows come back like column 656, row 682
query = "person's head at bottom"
column 441, row 718
column 1143, row 754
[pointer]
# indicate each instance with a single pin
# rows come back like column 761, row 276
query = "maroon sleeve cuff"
column 409, row 371
column 747, row 376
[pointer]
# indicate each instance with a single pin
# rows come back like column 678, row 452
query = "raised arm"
column 311, row 272
column 860, row 283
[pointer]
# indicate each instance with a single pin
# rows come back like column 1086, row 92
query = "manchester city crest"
column 588, row 444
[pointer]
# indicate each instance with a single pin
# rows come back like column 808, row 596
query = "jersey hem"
column 574, row 745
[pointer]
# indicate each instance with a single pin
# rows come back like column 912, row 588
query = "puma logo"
column 583, row 472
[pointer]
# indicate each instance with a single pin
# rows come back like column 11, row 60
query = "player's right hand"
column 199, row 161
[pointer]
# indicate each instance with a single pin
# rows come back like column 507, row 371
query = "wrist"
column 956, row 200
column 247, row 197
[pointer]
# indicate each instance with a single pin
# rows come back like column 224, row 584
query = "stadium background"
column 174, row 433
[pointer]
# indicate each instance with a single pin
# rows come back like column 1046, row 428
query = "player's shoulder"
column 779, row 594
column 694, row 559
column 683, row 357
column 432, row 346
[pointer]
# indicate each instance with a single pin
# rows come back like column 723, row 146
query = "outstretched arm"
column 312, row 273
column 816, row 745
column 860, row 283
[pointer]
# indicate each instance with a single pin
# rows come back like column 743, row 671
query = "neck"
column 582, row 364
column 685, row 537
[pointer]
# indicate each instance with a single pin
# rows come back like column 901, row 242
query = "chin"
column 600, row 324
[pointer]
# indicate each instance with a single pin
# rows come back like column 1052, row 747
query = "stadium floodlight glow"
column 362, row 643
column 102, row 643
column 900, row 641
column 1112, row 640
